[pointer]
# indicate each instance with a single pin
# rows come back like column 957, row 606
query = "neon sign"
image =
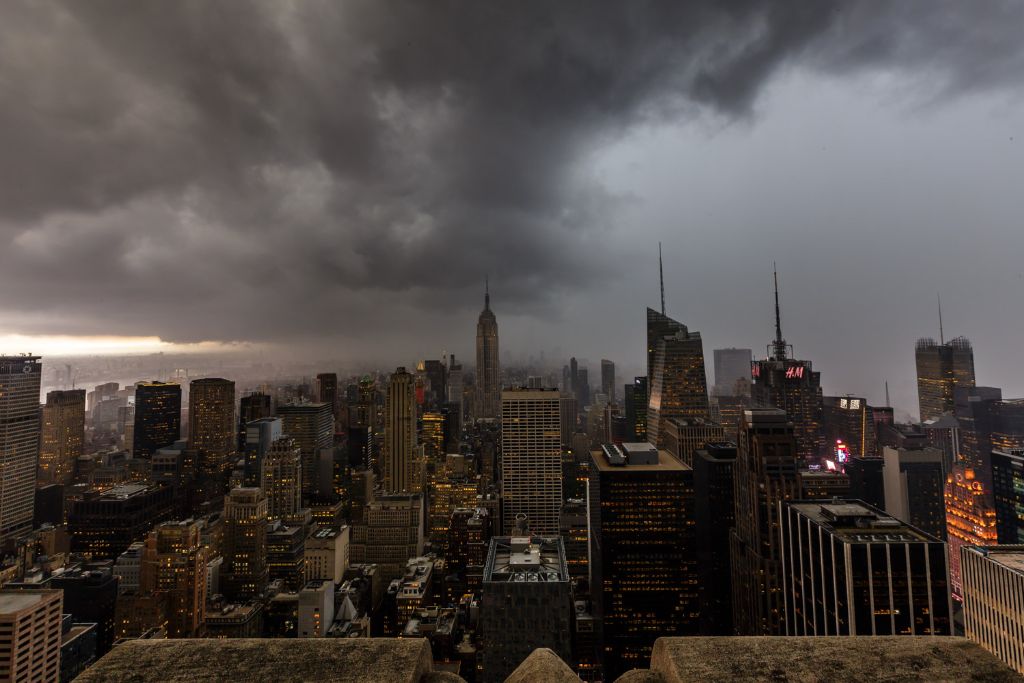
column 842, row 451
column 795, row 372
column 755, row 370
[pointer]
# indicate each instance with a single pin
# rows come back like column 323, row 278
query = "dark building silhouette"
column 852, row 570
column 867, row 482
column 643, row 551
column 635, row 403
column 311, row 425
column 1008, row 493
column 488, row 374
column 252, row 407
column 765, row 474
column 157, row 417
column 941, row 368
column 731, row 366
column 915, row 485
column 608, row 380
column 715, row 515
column 102, row 524
column 211, row 433
column 327, row 390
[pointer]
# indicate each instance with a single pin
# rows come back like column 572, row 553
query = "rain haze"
column 340, row 178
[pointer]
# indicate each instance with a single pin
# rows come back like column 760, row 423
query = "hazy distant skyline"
column 338, row 178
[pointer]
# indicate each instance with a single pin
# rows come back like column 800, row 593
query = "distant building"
column 157, row 417
column 765, row 475
column 211, row 432
column 250, row 408
column 286, row 545
column 714, row 517
column 993, row 586
column 867, row 481
column 19, row 442
column 915, row 488
column 526, row 604
column 488, row 376
column 683, row 436
column 63, row 435
column 644, row 574
column 281, row 478
column 327, row 390
column 327, row 554
column 941, row 368
column 311, row 425
column 852, row 570
column 823, row 484
column 176, row 557
column 676, row 376
column 531, row 463
column 103, row 523
column 399, row 471
column 390, row 532
column 848, row 420
column 1008, row 494
column 258, row 437
column 608, row 379
column 635, row 400
column 731, row 365
column 970, row 518
column 30, row 622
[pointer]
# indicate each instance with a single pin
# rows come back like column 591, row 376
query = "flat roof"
column 15, row 601
column 855, row 521
column 1014, row 560
column 666, row 463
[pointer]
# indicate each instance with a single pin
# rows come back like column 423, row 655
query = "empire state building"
column 488, row 388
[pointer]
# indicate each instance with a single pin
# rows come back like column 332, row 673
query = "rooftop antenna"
column 487, row 292
column 780, row 343
column 942, row 336
column 661, row 279
column 887, row 405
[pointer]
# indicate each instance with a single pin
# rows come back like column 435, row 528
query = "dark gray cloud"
column 274, row 171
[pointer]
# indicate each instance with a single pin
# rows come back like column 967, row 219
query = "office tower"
column 1008, row 495
column 286, row 547
column 100, row 393
column 635, row 400
column 714, row 517
column 970, row 518
column 990, row 424
column 993, row 584
column 259, row 436
column 574, row 529
column 677, row 381
column 608, row 379
column 643, row 547
column 791, row 385
column 63, row 434
column 390, row 532
column 211, row 433
column 327, row 553
column 527, row 603
column 848, row 420
column 281, row 478
column 452, row 487
column 531, row 462
column 178, row 560
column 244, row 572
column 569, row 416
column 30, row 622
column 574, row 376
column 157, row 417
column 399, row 472
column 915, row 487
column 455, row 389
column 19, row 442
column 765, row 474
column 867, row 482
column 583, row 388
column 852, row 570
column 311, row 425
column 436, row 374
column 316, row 608
column 731, row 366
column 941, row 368
column 488, row 377
column 104, row 522
column 326, row 387
column 727, row 411
column 682, row 436
column 252, row 407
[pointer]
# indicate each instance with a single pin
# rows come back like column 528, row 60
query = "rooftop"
column 15, row 601
column 1010, row 556
column 525, row 558
column 854, row 521
column 627, row 461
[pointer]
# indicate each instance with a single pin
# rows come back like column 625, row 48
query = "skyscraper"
column 176, row 556
column 311, row 425
column 281, row 478
column 1008, row 492
column 244, row 572
column 30, row 622
column 399, row 471
column 19, row 442
column 643, row 550
column 635, row 398
column 766, row 473
column 488, row 378
column 157, row 417
column 211, row 432
column 970, row 519
column 791, row 385
column 63, row 435
column 941, row 368
column 327, row 390
column 852, row 570
column 714, row 517
column 994, row 600
column 731, row 365
column 531, row 463
column 677, row 380
column 608, row 380
column 915, row 488
column 252, row 407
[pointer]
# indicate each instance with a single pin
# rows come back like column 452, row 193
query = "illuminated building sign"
column 795, row 372
column 849, row 403
column 755, row 369
column 842, row 451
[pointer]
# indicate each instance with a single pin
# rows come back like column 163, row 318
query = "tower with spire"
column 784, row 382
column 487, row 403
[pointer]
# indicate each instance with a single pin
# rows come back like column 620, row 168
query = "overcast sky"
column 341, row 176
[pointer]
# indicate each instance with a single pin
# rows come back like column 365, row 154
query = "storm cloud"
column 272, row 171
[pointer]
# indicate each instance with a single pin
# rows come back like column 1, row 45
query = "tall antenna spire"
column 780, row 343
column 661, row 279
column 887, row 394
column 487, row 293
column 942, row 336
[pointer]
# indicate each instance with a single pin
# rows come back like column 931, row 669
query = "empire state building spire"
column 488, row 387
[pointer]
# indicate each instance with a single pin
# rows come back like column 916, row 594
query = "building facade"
column 676, row 375
column 399, row 464
column 1008, row 494
column 19, row 442
column 63, row 435
column 941, row 368
column 993, row 585
column 488, row 375
column 244, row 572
column 970, row 518
column 731, row 366
column 531, row 458
column 281, row 478
column 915, row 487
column 211, row 432
column 30, row 629
column 157, row 417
